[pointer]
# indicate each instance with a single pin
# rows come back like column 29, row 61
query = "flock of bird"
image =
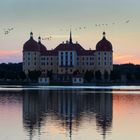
column 96, row 25
column 8, row 30
column 84, row 28
column 47, row 38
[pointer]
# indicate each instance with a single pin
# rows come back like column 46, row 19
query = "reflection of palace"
column 68, row 107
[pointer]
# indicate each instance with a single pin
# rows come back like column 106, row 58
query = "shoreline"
column 103, row 83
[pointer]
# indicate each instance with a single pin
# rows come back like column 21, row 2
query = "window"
column 105, row 53
column 28, row 53
column 35, row 63
column 43, row 63
column 105, row 58
column 99, row 63
column 51, row 63
column 66, row 63
column 98, row 58
column 35, row 58
column 28, row 63
column 71, row 63
column 91, row 63
column 98, row 53
column 105, row 63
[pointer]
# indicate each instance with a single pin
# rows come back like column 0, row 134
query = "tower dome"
column 31, row 44
column 104, row 44
column 42, row 48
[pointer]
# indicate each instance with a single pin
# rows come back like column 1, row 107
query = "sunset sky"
column 120, row 19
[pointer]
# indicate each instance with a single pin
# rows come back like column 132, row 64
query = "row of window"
column 86, row 63
column 99, row 58
column 105, row 63
column 70, row 53
column 65, row 53
column 91, row 58
column 46, row 58
column 63, row 70
column 43, row 63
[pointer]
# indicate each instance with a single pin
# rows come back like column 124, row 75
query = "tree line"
column 14, row 71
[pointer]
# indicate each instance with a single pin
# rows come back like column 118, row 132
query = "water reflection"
column 68, row 107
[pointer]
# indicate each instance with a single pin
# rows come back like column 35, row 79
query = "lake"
column 69, row 113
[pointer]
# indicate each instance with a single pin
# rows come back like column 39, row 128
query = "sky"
column 119, row 19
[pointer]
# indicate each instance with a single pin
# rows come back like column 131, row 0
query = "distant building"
column 67, row 58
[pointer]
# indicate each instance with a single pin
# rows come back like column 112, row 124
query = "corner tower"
column 31, row 55
column 104, row 56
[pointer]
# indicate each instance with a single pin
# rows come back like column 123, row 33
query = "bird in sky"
column 47, row 38
column 127, row 21
column 8, row 30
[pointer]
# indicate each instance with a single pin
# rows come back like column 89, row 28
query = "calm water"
column 80, row 113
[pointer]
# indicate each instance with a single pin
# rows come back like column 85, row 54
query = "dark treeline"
column 14, row 71
column 10, row 70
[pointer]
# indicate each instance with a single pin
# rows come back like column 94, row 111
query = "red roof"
column 42, row 48
column 69, row 47
column 104, row 45
column 31, row 45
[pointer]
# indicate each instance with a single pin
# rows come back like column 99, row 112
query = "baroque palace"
column 67, row 58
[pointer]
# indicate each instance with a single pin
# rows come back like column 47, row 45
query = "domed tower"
column 42, row 48
column 31, row 55
column 104, row 56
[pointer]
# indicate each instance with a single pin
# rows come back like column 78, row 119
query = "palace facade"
column 67, row 58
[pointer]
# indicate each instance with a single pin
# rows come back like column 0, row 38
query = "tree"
column 34, row 75
column 89, row 75
column 76, row 72
column 50, row 74
column 106, row 75
column 98, row 75
column 22, row 75
column 115, row 75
